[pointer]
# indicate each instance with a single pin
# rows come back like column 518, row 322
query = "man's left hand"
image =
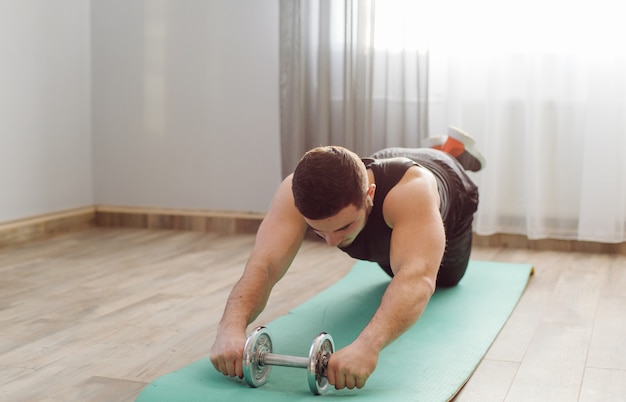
column 351, row 366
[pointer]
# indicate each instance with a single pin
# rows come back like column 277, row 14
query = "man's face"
column 341, row 229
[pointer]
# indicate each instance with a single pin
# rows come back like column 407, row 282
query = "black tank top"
column 373, row 242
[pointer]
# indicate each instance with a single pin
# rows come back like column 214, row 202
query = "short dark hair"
column 328, row 179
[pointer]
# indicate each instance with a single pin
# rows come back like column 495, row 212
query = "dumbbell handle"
column 273, row 359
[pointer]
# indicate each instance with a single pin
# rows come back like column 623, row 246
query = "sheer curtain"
column 540, row 84
column 339, row 87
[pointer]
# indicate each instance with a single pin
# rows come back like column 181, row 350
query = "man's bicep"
column 418, row 237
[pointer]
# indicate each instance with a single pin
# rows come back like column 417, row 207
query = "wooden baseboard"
column 224, row 222
column 39, row 227
column 522, row 242
column 43, row 226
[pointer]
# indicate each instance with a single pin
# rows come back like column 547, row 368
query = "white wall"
column 176, row 100
column 185, row 103
column 45, row 139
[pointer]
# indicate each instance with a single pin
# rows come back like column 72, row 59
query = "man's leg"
column 455, row 259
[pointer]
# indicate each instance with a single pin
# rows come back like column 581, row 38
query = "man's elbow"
column 424, row 279
column 428, row 285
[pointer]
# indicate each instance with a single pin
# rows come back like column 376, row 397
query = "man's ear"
column 371, row 189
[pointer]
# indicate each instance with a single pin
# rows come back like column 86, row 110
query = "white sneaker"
column 461, row 145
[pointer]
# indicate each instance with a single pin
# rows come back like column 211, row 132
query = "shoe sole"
column 469, row 142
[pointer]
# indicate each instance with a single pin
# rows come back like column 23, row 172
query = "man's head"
column 327, row 180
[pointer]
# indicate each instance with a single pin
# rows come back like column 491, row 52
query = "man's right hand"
column 227, row 352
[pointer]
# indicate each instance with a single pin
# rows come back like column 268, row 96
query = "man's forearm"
column 401, row 306
column 247, row 299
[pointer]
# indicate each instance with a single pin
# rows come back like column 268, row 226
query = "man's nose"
column 333, row 240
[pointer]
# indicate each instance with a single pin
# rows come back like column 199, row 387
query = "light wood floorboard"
column 98, row 314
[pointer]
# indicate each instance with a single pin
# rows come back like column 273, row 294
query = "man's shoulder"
column 418, row 185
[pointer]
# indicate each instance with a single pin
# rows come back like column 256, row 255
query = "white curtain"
column 339, row 88
column 541, row 85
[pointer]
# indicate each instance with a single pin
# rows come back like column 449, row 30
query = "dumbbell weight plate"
column 321, row 349
column 258, row 341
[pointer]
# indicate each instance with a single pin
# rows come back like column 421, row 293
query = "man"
column 409, row 210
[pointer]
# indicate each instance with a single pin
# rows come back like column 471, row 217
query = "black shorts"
column 459, row 201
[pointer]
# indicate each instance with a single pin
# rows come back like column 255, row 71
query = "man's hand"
column 227, row 352
column 351, row 366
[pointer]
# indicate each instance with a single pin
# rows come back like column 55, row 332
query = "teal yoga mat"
column 430, row 362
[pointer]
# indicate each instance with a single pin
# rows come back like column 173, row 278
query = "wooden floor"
column 98, row 314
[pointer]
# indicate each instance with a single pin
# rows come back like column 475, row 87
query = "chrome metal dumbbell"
column 258, row 359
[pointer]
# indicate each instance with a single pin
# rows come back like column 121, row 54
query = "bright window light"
column 499, row 25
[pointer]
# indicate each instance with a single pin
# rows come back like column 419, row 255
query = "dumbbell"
column 258, row 360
